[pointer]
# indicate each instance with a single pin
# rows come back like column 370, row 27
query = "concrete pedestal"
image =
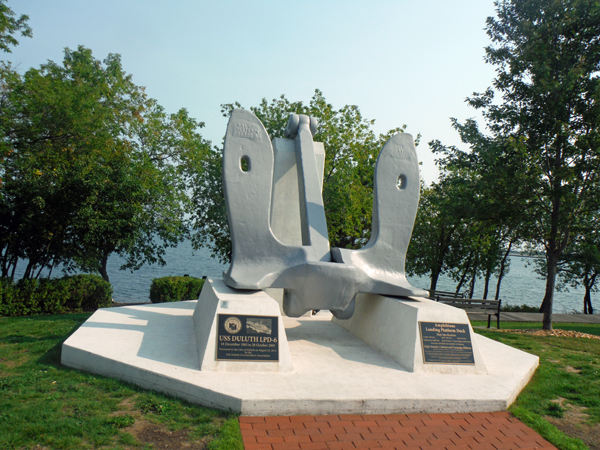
column 334, row 372
column 391, row 326
column 217, row 299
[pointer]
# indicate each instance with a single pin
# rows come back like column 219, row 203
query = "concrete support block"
column 217, row 298
column 391, row 327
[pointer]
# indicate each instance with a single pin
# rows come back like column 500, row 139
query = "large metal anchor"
column 313, row 276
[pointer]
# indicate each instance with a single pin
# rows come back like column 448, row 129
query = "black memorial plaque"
column 247, row 338
column 446, row 343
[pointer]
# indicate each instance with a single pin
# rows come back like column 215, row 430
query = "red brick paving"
column 476, row 431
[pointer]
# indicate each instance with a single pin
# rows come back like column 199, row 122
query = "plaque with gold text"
column 446, row 343
column 247, row 338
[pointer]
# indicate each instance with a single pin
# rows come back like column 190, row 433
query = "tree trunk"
column 587, row 298
column 486, row 287
column 39, row 272
column 102, row 269
column 546, row 307
column 5, row 259
column 11, row 261
column 464, row 274
column 502, row 267
column 434, row 279
column 586, row 301
column 472, row 286
column 14, row 268
column 28, row 270
column 555, row 245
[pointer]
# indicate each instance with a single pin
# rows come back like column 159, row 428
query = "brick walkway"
column 476, row 431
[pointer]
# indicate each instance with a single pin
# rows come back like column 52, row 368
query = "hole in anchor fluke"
column 401, row 182
column 245, row 164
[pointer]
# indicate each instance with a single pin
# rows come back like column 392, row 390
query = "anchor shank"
column 312, row 212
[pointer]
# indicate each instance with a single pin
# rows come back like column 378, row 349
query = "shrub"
column 89, row 292
column 175, row 289
column 78, row 293
column 10, row 304
column 519, row 308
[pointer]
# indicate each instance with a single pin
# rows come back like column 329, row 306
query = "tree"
column 438, row 235
column 351, row 150
column 483, row 254
column 9, row 26
column 90, row 166
column 453, row 235
column 580, row 262
column 466, row 223
column 546, row 126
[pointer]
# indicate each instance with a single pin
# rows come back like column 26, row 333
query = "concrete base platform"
column 154, row 346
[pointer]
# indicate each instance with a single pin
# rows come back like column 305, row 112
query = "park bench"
column 475, row 306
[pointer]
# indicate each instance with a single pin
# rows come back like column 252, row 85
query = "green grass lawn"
column 589, row 328
column 565, row 390
column 45, row 404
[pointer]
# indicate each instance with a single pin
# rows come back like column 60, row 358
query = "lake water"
column 521, row 286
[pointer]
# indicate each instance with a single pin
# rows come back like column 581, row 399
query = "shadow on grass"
column 53, row 356
column 20, row 339
column 73, row 317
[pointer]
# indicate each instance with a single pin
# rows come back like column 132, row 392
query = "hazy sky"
column 402, row 62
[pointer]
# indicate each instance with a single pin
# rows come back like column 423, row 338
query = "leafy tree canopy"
column 9, row 26
column 90, row 166
column 545, row 130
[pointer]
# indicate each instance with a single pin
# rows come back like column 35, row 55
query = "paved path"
column 475, row 431
column 538, row 317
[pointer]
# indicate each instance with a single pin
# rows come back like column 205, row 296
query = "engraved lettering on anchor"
column 246, row 131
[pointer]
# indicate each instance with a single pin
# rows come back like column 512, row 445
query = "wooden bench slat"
column 474, row 305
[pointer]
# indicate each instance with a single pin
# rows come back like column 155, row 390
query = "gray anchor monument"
column 250, row 342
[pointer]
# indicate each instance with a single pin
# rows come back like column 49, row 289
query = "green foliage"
column 90, row 166
column 351, row 150
column 536, row 171
column 76, row 293
column 175, row 289
column 9, row 26
column 580, row 262
column 437, row 236
column 452, row 236
column 43, row 404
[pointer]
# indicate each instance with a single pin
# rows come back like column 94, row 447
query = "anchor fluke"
column 313, row 276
